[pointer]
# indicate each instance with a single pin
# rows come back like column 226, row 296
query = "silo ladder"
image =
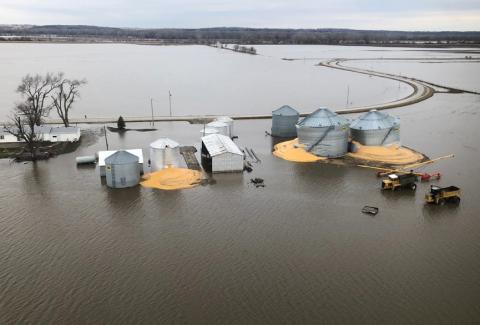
column 331, row 127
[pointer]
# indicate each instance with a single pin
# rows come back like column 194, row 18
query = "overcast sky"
column 429, row 15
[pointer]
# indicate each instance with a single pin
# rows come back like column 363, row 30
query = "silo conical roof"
column 225, row 119
column 163, row 143
column 374, row 120
column 322, row 117
column 217, row 124
column 285, row 110
column 120, row 158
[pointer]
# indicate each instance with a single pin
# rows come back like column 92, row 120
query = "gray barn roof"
column 121, row 158
column 285, row 110
column 322, row 117
column 374, row 120
column 217, row 144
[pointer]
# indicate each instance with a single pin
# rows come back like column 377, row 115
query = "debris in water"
column 258, row 182
column 370, row 210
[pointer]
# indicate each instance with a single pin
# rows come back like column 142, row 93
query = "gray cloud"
column 368, row 14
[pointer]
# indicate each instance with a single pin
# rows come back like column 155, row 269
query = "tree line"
column 233, row 35
column 39, row 96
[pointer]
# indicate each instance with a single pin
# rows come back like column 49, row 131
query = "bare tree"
column 36, row 105
column 36, row 90
column 22, row 125
column 65, row 94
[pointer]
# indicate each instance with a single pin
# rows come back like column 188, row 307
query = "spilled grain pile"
column 172, row 178
column 292, row 151
column 392, row 155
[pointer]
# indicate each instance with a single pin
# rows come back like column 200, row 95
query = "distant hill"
column 81, row 33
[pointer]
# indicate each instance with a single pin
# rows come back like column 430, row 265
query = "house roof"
column 163, row 143
column 121, row 157
column 102, row 155
column 322, row 117
column 218, row 144
column 45, row 129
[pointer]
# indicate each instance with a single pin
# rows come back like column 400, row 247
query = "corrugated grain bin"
column 229, row 121
column 222, row 127
column 324, row 133
column 284, row 120
column 102, row 155
column 164, row 153
column 376, row 129
column 121, row 170
column 220, row 154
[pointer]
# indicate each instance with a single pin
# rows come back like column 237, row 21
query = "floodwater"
column 202, row 80
column 299, row 250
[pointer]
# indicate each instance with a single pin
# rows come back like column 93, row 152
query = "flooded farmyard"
column 298, row 250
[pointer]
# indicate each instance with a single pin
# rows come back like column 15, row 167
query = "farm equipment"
column 442, row 195
column 394, row 181
column 409, row 169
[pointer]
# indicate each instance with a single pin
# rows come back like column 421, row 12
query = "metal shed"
column 164, row 153
column 375, row 128
column 222, row 127
column 220, row 154
column 227, row 120
column 324, row 133
column 284, row 120
column 122, row 170
column 102, row 155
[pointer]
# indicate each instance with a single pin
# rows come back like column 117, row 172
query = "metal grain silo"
column 121, row 170
column 208, row 130
column 222, row 127
column 229, row 121
column 324, row 133
column 376, row 129
column 164, row 153
column 284, row 120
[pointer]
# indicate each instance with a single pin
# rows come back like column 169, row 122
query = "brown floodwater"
column 73, row 251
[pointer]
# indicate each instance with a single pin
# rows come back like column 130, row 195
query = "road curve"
column 421, row 90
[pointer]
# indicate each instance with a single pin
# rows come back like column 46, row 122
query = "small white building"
column 46, row 133
column 102, row 155
column 6, row 137
column 220, row 154
column 63, row 134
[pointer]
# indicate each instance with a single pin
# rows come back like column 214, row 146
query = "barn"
column 220, row 154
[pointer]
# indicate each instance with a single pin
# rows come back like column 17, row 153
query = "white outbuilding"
column 46, row 133
column 220, row 154
column 164, row 153
column 102, row 155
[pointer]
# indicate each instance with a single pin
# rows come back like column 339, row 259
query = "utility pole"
column 106, row 139
column 151, row 107
column 348, row 94
column 170, row 102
